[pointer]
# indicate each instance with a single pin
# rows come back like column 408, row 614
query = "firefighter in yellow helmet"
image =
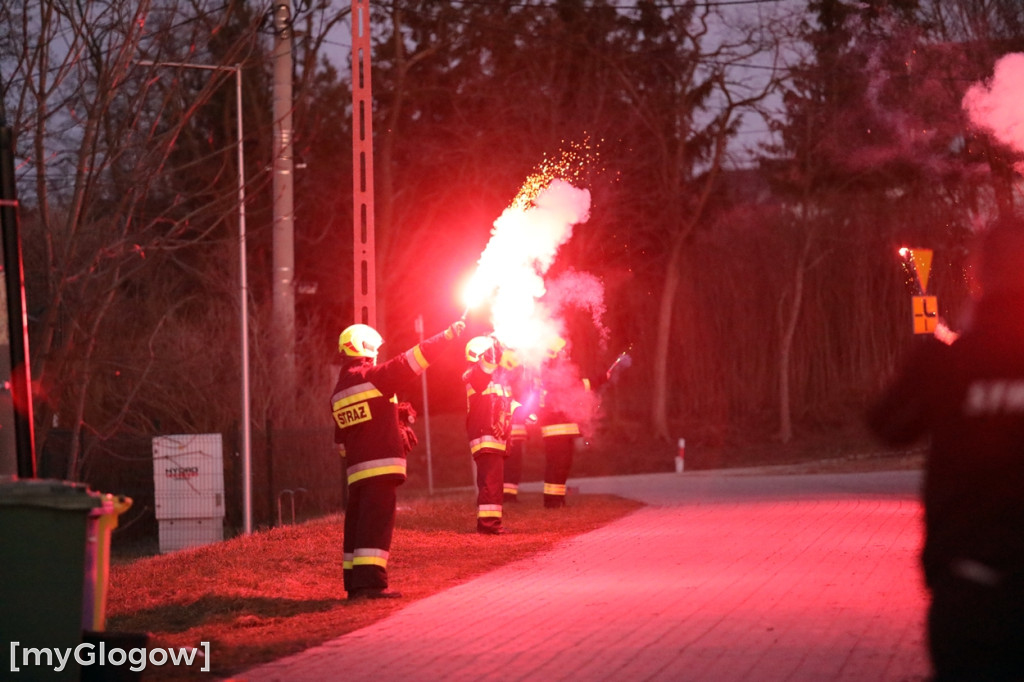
column 489, row 408
column 565, row 399
column 366, row 427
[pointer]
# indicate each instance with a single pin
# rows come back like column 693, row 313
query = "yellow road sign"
column 921, row 259
column 926, row 314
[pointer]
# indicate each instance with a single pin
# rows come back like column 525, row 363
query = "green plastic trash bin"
column 44, row 527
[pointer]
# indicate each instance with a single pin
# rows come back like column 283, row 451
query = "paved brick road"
column 740, row 575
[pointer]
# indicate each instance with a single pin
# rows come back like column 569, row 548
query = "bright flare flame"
column 524, row 242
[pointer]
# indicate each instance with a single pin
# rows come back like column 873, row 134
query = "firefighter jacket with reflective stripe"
column 365, row 411
column 489, row 408
column 565, row 400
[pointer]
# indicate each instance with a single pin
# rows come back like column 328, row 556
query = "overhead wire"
column 665, row 4
column 169, row 30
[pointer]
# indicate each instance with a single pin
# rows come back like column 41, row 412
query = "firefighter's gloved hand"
column 455, row 330
column 406, row 413
column 409, row 439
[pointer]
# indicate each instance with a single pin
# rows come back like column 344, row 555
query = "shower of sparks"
column 524, row 242
column 574, row 163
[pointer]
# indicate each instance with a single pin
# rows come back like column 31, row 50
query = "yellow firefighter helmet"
column 509, row 359
column 477, row 346
column 360, row 341
column 555, row 346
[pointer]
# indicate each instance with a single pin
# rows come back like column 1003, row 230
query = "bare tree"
column 688, row 115
column 128, row 214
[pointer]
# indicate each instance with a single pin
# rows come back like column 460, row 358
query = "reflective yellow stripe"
column 478, row 444
column 417, row 363
column 560, row 430
column 370, row 556
column 511, row 488
column 376, row 467
column 355, row 394
column 518, row 431
column 346, row 561
column 488, row 511
column 554, row 489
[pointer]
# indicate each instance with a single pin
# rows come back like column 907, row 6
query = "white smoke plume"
column 524, row 243
column 580, row 290
column 997, row 105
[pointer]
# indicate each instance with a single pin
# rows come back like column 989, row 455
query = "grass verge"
column 263, row 596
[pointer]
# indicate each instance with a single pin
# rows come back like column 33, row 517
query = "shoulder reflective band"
column 370, row 556
column 478, row 444
column 417, row 363
column 354, row 394
column 488, row 511
column 376, row 467
column 560, row 430
column 554, row 489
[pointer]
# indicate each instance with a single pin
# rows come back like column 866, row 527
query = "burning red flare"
column 524, row 243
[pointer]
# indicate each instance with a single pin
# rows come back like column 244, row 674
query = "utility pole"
column 364, row 266
column 426, row 414
column 20, row 382
column 284, row 215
